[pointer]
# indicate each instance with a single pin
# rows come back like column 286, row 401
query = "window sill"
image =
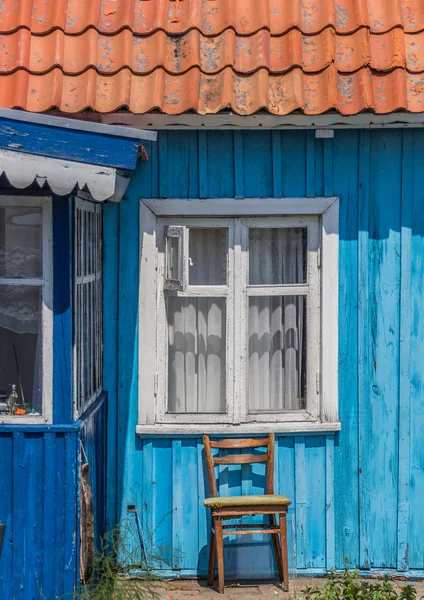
column 23, row 420
column 161, row 429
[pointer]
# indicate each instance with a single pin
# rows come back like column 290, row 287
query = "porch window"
column 25, row 308
column 239, row 338
column 88, row 311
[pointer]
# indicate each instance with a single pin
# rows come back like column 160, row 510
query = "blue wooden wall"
column 359, row 493
column 38, row 504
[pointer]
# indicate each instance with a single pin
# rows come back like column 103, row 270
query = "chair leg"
column 284, row 553
column 212, row 556
column 220, row 554
column 277, row 548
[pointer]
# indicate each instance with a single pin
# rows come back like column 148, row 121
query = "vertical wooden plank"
column 203, row 164
column 160, row 508
column 189, row 521
column 328, row 167
column 7, row 475
column 148, row 514
column 300, row 481
column 62, row 323
column 183, row 164
column 178, row 504
column 59, row 515
column 379, row 450
column 294, row 157
column 33, row 554
column 221, row 161
column 315, row 537
column 416, row 364
column 257, row 164
column 153, row 151
column 70, row 476
column 110, row 356
column 238, row 164
column 277, row 174
column 163, row 163
column 20, row 573
column 405, row 353
column 364, row 356
column 346, row 186
column 330, row 544
column 204, row 523
column 286, row 487
column 319, row 167
column 310, row 163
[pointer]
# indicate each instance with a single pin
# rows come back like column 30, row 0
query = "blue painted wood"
column 416, row 466
column 62, row 320
column 364, row 484
column 110, row 356
column 39, row 550
column 80, row 146
column 405, row 354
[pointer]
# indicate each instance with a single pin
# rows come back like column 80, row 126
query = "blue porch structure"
column 40, row 463
column 357, row 493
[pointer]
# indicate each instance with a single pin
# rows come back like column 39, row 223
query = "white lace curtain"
column 276, row 330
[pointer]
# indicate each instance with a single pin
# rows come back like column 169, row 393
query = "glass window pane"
column 277, row 256
column 196, row 355
column 21, row 241
column 208, row 250
column 277, row 353
column 21, row 344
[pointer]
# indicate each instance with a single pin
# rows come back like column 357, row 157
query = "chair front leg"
column 220, row 553
column 284, row 552
column 212, row 555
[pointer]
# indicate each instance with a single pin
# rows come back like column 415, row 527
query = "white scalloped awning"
column 22, row 170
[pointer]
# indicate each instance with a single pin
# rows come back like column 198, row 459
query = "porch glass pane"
column 208, row 249
column 277, row 353
column 21, row 344
column 277, row 256
column 21, row 242
column 196, row 355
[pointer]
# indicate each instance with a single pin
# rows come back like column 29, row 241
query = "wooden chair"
column 235, row 507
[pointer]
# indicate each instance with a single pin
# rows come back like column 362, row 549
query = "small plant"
column 347, row 586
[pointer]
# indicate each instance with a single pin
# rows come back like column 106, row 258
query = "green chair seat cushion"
column 260, row 500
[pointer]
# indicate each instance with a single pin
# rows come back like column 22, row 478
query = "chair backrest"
column 240, row 459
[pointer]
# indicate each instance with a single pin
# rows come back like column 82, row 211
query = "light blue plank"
column 110, row 356
column 405, row 354
column 364, row 354
column 238, row 164
column 161, row 501
column 301, row 498
column 203, row 164
column 381, row 400
column 328, row 167
column 183, row 164
column 148, row 516
column 315, row 534
column 277, row 174
column 70, row 475
column 178, row 489
column 285, row 485
column 163, row 164
column 310, row 163
column 319, row 167
column 330, row 542
column 416, row 463
column 345, row 162
column 204, row 522
column 221, row 158
column 190, row 513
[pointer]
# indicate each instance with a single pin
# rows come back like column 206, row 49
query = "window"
column 88, row 322
column 241, row 302
column 25, row 309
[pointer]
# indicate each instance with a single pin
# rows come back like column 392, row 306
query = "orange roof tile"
column 210, row 55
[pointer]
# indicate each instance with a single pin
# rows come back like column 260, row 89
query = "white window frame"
column 46, row 283
column 81, row 406
column 321, row 415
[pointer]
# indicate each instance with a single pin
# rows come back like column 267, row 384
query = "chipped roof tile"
column 210, row 55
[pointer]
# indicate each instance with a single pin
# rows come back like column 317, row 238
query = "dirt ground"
column 193, row 589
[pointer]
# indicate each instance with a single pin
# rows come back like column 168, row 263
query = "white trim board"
column 264, row 120
column 234, row 430
column 21, row 170
column 238, row 207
